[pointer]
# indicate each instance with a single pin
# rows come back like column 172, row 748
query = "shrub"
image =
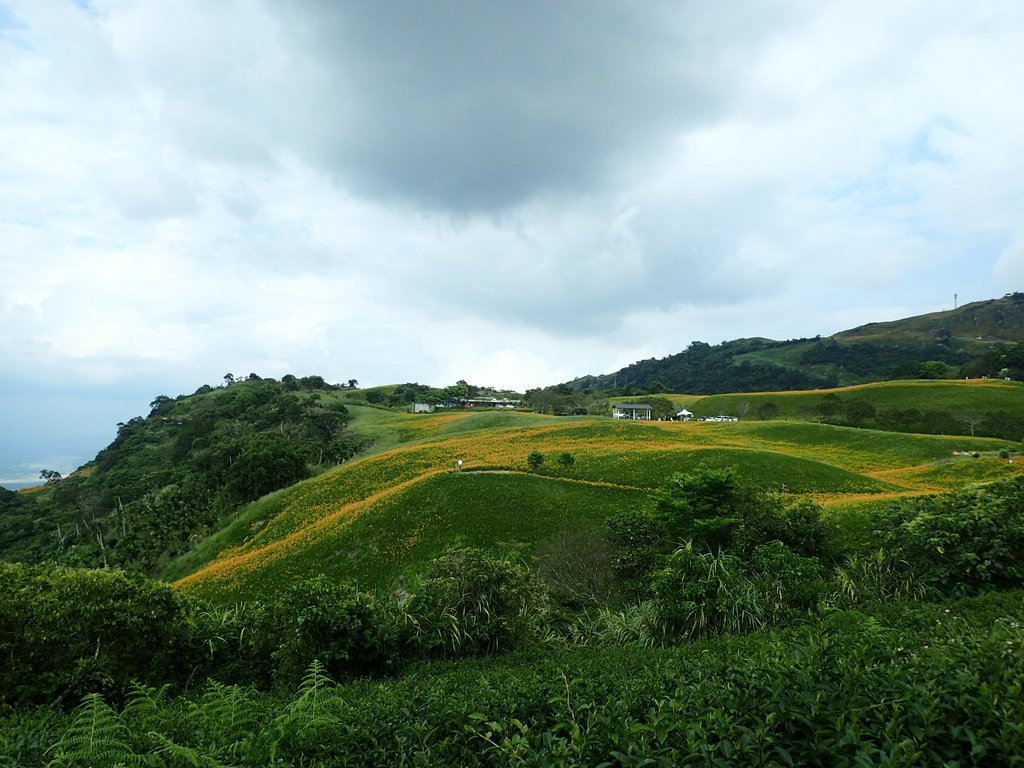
column 472, row 602
column 566, row 459
column 236, row 643
column 535, row 460
column 65, row 632
column 789, row 581
column 797, row 523
column 703, row 507
column 964, row 542
column 576, row 567
column 640, row 544
column 347, row 631
column 700, row 594
column 878, row 576
column 266, row 464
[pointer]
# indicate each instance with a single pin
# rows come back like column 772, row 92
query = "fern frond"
column 172, row 754
column 97, row 736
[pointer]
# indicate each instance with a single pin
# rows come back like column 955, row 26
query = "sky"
column 510, row 193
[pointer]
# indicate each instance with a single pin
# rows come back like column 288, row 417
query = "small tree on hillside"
column 704, row 506
column 535, row 460
column 50, row 476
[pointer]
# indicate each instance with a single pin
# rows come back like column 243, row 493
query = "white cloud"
column 401, row 191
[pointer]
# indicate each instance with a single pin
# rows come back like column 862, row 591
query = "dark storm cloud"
column 475, row 106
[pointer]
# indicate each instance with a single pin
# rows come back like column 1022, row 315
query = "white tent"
column 684, row 414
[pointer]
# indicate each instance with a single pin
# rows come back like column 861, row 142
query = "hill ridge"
column 951, row 342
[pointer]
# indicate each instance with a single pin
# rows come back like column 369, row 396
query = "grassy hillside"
column 935, row 345
column 953, row 396
column 386, row 514
column 979, row 321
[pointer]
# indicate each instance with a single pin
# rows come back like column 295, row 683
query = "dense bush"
column 535, row 460
column 472, row 602
column 964, row 542
column 235, row 644
column 796, row 522
column 65, row 632
column 264, row 465
column 704, row 506
column 347, row 631
column 919, row 685
column 701, row 594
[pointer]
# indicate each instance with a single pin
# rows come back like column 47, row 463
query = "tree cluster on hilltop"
column 456, row 394
column 705, row 369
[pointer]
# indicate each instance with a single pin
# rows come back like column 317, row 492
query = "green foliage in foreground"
column 823, row 675
column 910, row 685
column 66, row 632
column 961, row 543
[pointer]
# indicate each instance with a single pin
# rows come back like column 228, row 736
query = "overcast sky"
column 511, row 193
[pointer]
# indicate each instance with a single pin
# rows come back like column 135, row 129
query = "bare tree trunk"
column 103, row 551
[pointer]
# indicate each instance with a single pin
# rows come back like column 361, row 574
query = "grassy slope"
column 974, row 327
column 390, row 511
column 956, row 397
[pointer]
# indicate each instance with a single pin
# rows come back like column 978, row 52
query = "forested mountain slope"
column 981, row 338
column 171, row 477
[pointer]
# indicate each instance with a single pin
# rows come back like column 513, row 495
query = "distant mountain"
column 964, row 341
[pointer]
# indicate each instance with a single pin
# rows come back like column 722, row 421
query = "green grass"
column 956, row 397
column 392, row 510
column 761, row 468
column 400, row 534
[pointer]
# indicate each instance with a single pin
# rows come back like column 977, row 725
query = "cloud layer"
column 514, row 194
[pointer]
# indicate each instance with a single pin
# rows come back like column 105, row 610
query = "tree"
column 455, row 393
column 767, row 410
column 933, row 369
column 229, row 379
column 704, row 506
column 353, row 383
column 160, row 403
column 264, row 465
column 857, row 411
column 535, row 460
column 566, row 459
column 972, row 420
column 661, row 407
column 50, row 476
column 830, row 406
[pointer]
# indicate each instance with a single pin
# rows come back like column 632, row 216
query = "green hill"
column 386, row 515
column 936, row 345
column 173, row 476
column 174, row 494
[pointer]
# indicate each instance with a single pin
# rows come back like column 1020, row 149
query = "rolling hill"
column 383, row 516
column 949, row 341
